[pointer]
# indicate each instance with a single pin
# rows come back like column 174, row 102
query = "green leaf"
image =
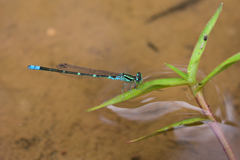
column 200, row 46
column 227, row 63
column 143, row 89
column 180, row 73
column 172, row 127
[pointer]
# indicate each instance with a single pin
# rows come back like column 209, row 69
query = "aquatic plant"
column 190, row 80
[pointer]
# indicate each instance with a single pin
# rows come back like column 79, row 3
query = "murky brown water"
column 42, row 114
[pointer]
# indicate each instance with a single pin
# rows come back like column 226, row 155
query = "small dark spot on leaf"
column 205, row 38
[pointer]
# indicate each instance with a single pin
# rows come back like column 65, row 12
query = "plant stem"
column 214, row 125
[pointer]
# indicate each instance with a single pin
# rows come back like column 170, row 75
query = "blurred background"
column 42, row 113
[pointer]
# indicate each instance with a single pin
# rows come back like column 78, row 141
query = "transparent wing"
column 73, row 68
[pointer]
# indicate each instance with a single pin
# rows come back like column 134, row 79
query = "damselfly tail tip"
column 33, row 67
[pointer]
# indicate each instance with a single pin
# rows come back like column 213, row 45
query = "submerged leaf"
column 143, row 89
column 171, row 127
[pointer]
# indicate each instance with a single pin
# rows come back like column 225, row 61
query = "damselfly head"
column 139, row 78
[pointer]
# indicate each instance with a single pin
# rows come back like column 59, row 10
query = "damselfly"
column 81, row 71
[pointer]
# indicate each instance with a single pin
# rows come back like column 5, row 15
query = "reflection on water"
column 152, row 111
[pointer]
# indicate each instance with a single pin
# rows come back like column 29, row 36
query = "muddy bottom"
column 42, row 113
